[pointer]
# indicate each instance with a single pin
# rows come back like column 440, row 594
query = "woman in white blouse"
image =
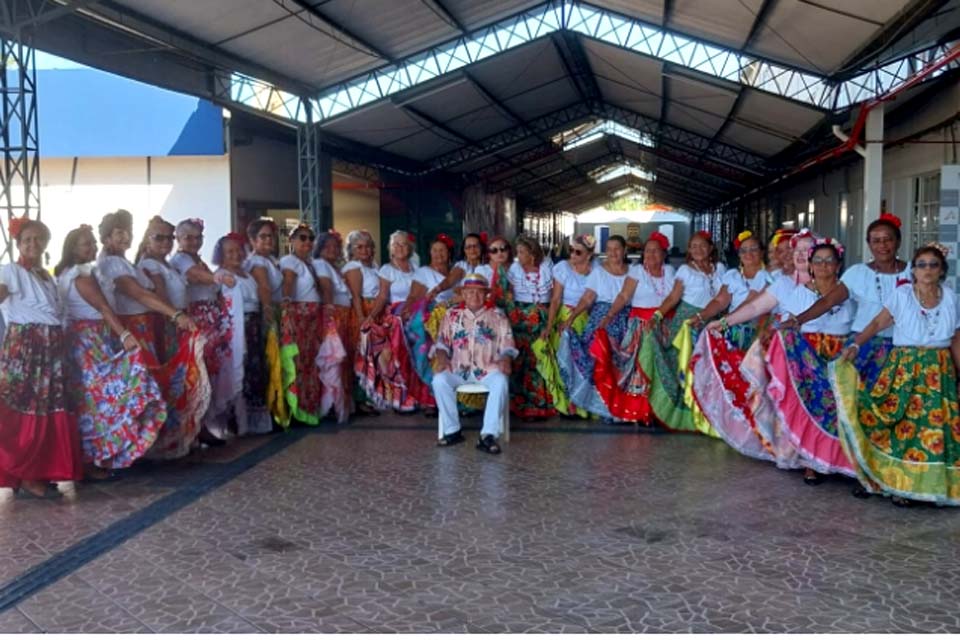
column 300, row 324
column 473, row 255
column 264, row 268
column 39, row 442
column 363, row 280
column 904, row 431
column 695, row 285
column 576, row 362
column 422, row 316
column 182, row 377
column 616, row 345
column 119, row 406
column 569, row 284
column 384, row 365
column 240, row 390
column 168, row 283
column 340, row 350
column 531, row 279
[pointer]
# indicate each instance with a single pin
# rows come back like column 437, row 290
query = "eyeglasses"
column 823, row 260
column 472, row 245
column 749, row 250
column 162, row 237
column 499, row 250
column 191, row 236
column 578, row 252
column 924, row 264
column 304, row 237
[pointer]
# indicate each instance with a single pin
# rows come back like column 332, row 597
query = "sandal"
column 812, row 480
column 488, row 444
column 50, row 492
column 451, row 439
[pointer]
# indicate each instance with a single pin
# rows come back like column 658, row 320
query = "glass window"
column 925, row 217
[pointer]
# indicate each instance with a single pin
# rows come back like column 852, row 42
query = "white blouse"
column 574, row 284
column 467, row 269
column 650, row 292
column 835, row 322
column 248, row 290
column 400, row 281
column 183, row 262
column 699, row 288
column 869, row 289
column 31, row 300
column 430, row 278
column 370, row 286
column 606, row 285
column 175, row 282
column 74, row 305
column 109, row 268
column 274, row 275
column 341, row 292
column 915, row 326
column 305, row 289
column 739, row 286
column 531, row 286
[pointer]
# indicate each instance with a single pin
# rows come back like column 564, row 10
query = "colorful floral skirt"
column 213, row 321
column 420, row 331
column 577, row 365
column 39, row 439
column 331, row 358
column 299, row 344
column 183, row 382
column 619, row 381
column 256, row 375
column 660, row 362
column 904, row 431
column 384, row 367
column 276, row 396
column 724, row 394
column 800, row 391
column 120, row 408
column 530, row 397
column 548, row 365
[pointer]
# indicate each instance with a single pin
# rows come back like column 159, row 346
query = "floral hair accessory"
column 942, row 248
column 411, row 238
column 236, row 237
column 197, row 222
column 743, row 235
column 660, row 239
column 780, row 235
column 474, row 281
column 333, row 233
column 446, row 240
column 892, row 219
column 15, row 225
column 826, row 242
column 303, row 226
column 483, row 237
column 800, row 235
column 706, row 235
column 586, row 240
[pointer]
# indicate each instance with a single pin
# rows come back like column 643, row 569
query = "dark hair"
column 119, row 219
column 322, row 238
column 33, row 223
column 217, row 257
column 833, row 250
column 142, row 249
column 884, row 223
column 483, row 247
column 618, row 238
column 254, row 228
column 756, row 239
column 936, row 252
column 67, row 258
column 532, row 246
column 714, row 252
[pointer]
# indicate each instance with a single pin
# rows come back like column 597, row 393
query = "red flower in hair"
column 411, row 238
column 236, row 237
column 16, row 225
column 336, row 234
column 660, row 239
column 892, row 219
column 483, row 237
column 446, row 240
column 703, row 233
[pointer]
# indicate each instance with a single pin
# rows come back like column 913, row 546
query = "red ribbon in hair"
column 446, row 240
column 892, row 219
column 660, row 239
column 483, row 237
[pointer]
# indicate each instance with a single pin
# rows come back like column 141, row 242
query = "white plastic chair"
column 473, row 388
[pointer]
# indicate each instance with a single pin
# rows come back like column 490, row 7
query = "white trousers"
column 445, row 385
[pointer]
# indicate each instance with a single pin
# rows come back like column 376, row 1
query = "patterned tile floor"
column 374, row 529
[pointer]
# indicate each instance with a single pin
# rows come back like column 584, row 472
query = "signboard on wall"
column 950, row 217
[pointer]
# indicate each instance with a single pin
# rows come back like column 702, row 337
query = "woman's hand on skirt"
column 186, row 323
column 715, row 327
column 850, row 353
column 130, row 343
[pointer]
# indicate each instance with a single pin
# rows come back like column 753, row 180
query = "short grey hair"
column 355, row 237
column 401, row 237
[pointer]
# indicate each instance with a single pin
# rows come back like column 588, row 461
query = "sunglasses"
column 162, row 237
column 304, row 237
column 499, row 250
column 578, row 252
column 823, row 260
column 924, row 264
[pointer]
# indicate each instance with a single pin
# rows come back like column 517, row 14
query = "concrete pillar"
column 873, row 168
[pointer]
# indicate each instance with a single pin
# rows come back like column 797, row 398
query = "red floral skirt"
column 39, row 439
column 213, row 321
column 619, row 380
column 384, row 367
column 300, row 339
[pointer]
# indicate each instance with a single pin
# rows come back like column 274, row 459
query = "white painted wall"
column 177, row 187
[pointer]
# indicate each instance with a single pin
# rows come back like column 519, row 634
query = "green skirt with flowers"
column 903, row 433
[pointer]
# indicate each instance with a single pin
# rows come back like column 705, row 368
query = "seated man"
column 475, row 344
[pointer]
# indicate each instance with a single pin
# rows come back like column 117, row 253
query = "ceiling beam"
column 334, row 29
column 439, row 8
column 759, row 21
column 577, row 65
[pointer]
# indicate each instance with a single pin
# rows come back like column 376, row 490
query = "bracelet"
column 176, row 316
column 723, row 323
column 699, row 317
column 855, row 346
column 658, row 315
column 124, row 336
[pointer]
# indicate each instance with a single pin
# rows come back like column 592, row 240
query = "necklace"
column 659, row 285
column 930, row 313
column 813, row 285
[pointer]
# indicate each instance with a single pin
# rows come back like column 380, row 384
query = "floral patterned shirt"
column 475, row 341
